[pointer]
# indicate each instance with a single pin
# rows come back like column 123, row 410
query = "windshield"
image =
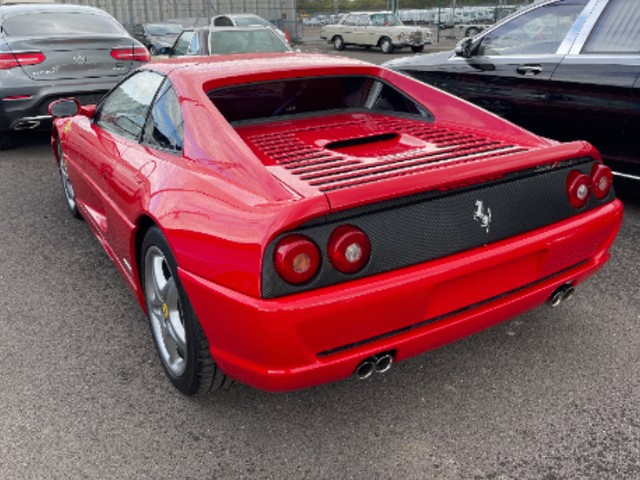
column 164, row 29
column 243, row 41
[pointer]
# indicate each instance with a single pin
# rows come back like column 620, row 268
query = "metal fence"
column 281, row 13
column 292, row 16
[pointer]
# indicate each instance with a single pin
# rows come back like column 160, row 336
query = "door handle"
column 529, row 69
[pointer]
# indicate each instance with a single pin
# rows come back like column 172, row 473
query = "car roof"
column 18, row 9
column 238, row 15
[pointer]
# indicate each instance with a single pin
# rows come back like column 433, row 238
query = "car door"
column 593, row 95
column 508, row 69
column 350, row 29
column 184, row 44
column 116, row 165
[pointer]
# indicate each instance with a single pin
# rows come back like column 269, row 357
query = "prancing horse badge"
column 482, row 215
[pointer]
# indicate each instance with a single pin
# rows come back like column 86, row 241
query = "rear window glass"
column 58, row 23
column 311, row 95
column 244, row 41
column 248, row 21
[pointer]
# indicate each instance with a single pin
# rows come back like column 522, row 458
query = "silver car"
column 52, row 51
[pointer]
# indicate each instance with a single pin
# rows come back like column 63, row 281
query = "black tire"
column 7, row 140
column 338, row 43
column 386, row 46
column 417, row 48
column 471, row 32
column 67, row 186
column 180, row 342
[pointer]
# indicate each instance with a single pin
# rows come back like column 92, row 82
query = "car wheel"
column 180, row 342
column 7, row 140
column 338, row 43
column 386, row 46
column 67, row 186
column 417, row 48
column 152, row 50
column 471, row 31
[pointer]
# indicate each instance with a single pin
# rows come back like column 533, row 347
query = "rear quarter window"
column 59, row 23
column 617, row 30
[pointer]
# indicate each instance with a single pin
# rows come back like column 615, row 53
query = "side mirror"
column 65, row 107
column 463, row 48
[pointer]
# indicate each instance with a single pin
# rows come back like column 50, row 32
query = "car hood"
column 429, row 61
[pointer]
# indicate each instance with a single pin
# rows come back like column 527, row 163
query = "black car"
column 227, row 40
column 52, row 51
column 566, row 69
column 156, row 36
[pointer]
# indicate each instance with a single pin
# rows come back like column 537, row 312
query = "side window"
column 138, row 30
column 364, row 20
column 540, row 31
column 183, row 42
column 617, row 30
column 124, row 110
column 165, row 125
column 351, row 20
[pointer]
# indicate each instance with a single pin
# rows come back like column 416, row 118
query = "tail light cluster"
column 297, row 258
column 20, row 59
column 129, row 54
column 580, row 185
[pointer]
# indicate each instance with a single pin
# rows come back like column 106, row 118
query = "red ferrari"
column 289, row 220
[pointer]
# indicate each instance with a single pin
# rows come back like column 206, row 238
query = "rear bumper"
column 24, row 106
column 320, row 336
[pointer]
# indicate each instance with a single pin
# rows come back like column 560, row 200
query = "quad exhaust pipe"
column 377, row 363
column 561, row 294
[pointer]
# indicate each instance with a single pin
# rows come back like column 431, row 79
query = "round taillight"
column 601, row 179
column 349, row 249
column 578, row 188
column 296, row 259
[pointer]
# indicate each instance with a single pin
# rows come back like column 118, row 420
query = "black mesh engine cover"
column 423, row 227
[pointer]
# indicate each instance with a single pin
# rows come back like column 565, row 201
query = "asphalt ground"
column 552, row 394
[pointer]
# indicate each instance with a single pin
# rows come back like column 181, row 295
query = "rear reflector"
column 20, row 59
column 17, row 97
column 126, row 54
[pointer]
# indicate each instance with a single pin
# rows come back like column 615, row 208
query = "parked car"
column 228, row 40
column 50, row 51
column 375, row 29
column 244, row 20
column 290, row 220
column 313, row 22
column 156, row 36
column 565, row 69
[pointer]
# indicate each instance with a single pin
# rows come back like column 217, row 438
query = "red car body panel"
column 229, row 196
